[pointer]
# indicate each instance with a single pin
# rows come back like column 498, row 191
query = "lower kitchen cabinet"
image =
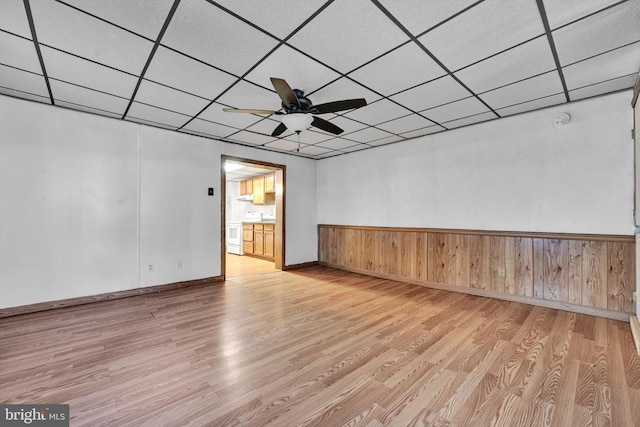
column 259, row 240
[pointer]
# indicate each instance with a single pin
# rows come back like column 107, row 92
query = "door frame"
column 281, row 172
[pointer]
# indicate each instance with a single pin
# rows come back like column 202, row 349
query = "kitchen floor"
column 238, row 266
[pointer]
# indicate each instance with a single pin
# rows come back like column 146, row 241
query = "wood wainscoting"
column 591, row 274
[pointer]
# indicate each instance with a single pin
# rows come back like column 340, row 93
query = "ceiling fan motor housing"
column 305, row 104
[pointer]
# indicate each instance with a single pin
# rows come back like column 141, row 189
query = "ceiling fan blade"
column 285, row 92
column 326, row 126
column 345, row 104
column 278, row 130
column 251, row 111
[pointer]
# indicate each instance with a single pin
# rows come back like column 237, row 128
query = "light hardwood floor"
column 321, row 347
column 238, row 266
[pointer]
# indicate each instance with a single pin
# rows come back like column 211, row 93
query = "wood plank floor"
column 238, row 266
column 321, row 347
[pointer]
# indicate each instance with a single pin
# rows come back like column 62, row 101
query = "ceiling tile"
column 533, row 105
column 347, row 34
column 412, row 121
column 279, row 18
column 488, row 28
column 300, row 71
column 18, row 52
column 561, row 12
column 209, row 128
column 284, row 144
column 421, row 132
column 358, row 147
column 149, row 122
column 251, row 138
column 384, row 76
column 68, row 29
column 346, row 124
column 14, row 18
column 337, row 144
column 367, row 135
column 156, row 115
column 343, row 88
column 386, row 140
column 170, row 99
column 611, row 65
column 69, row 68
column 249, row 96
column 86, row 109
column 432, row 94
column 143, row 17
column 378, row 112
column 607, row 30
column 24, row 95
column 516, row 64
column 314, row 150
column 266, row 127
column 619, row 83
column 23, row 81
column 526, row 90
column 418, row 15
column 88, row 98
column 455, row 110
column 206, row 32
column 482, row 117
column 187, row 74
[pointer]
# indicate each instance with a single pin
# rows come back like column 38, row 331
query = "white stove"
column 234, row 238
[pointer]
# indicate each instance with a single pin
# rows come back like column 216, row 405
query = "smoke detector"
column 562, row 119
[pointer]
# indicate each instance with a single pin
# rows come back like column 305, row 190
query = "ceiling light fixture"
column 230, row 166
column 297, row 122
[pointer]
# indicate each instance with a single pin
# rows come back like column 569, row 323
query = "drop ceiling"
column 423, row 66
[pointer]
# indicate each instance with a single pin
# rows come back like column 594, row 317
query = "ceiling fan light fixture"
column 297, row 122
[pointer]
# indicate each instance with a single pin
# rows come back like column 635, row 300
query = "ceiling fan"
column 299, row 112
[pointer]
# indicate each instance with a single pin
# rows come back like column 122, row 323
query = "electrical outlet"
column 502, row 272
column 150, row 268
column 635, row 296
column 179, row 265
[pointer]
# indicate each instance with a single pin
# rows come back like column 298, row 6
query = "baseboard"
column 593, row 311
column 70, row 302
column 299, row 266
column 635, row 331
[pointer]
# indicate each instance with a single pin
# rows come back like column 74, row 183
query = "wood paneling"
column 620, row 277
column 594, row 274
column 580, row 270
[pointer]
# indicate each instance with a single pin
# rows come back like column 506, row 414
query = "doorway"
column 252, row 217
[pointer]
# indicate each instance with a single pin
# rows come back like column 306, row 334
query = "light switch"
column 210, row 191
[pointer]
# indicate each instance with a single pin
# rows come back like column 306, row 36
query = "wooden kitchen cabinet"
column 247, row 239
column 270, row 183
column 246, row 187
column 258, row 190
column 269, row 241
column 259, row 240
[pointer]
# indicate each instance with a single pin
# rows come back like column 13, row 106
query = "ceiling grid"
column 423, row 67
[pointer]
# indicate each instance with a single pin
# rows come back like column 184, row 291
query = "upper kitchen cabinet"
column 258, row 190
column 246, row 187
column 270, row 183
column 263, row 189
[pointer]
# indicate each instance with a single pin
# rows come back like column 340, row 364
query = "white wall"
column 87, row 203
column 517, row 173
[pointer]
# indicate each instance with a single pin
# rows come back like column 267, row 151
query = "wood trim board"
column 51, row 305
